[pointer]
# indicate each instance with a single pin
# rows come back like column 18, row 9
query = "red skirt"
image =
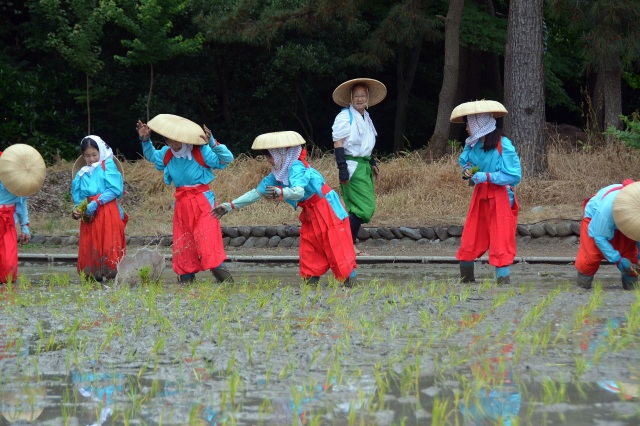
column 197, row 237
column 325, row 241
column 589, row 255
column 8, row 245
column 102, row 242
column 491, row 225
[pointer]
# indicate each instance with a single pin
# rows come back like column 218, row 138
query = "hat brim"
column 377, row 91
column 278, row 140
column 22, row 170
column 80, row 163
column 626, row 211
column 178, row 129
column 496, row 109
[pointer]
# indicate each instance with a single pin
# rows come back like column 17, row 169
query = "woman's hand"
column 144, row 132
column 376, row 172
column 76, row 214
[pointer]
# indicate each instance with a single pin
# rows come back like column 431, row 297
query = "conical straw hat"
column 477, row 107
column 278, row 140
column 80, row 163
column 626, row 211
column 177, row 128
column 377, row 91
column 22, row 170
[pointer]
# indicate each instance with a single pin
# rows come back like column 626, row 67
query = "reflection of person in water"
column 24, row 404
column 290, row 412
column 99, row 387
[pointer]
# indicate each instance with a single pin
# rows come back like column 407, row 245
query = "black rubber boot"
column 350, row 282
column 585, row 281
column 629, row 282
column 186, row 278
column 504, row 280
column 222, row 274
column 312, row 281
column 466, row 272
column 354, row 222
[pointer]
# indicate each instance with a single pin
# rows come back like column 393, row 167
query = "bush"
column 631, row 135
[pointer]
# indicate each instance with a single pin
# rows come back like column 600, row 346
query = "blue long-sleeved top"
column 503, row 169
column 600, row 209
column 310, row 180
column 7, row 199
column 109, row 183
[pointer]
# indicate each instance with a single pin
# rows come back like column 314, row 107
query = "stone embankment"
column 286, row 236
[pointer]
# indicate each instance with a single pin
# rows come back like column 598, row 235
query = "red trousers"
column 325, row 241
column 8, row 245
column 197, row 237
column 589, row 255
column 491, row 224
column 102, row 242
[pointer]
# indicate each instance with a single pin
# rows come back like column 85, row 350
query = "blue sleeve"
column 22, row 211
column 113, row 185
column 153, row 155
column 75, row 190
column 464, row 160
column 602, row 228
column 269, row 180
column 216, row 158
column 299, row 175
column 509, row 169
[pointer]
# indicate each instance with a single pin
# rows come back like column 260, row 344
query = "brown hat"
column 177, row 128
column 80, row 163
column 22, row 170
column 377, row 91
column 477, row 107
column 278, row 140
column 626, row 211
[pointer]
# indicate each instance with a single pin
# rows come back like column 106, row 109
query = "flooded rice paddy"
column 409, row 345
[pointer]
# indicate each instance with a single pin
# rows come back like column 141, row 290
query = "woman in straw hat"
column 22, row 172
column 354, row 137
column 96, row 186
column 610, row 230
column 325, row 238
column 186, row 161
column 489, row 160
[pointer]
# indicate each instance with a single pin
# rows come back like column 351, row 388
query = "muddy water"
column 409, row 345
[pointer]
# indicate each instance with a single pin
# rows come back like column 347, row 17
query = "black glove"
column 341, row 160
column 372, row 162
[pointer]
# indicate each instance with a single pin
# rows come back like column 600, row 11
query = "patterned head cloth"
column 105, row 153
column 479, row 126
column 283, row 158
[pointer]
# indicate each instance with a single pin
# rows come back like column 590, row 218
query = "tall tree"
column 524, row 84
column 446, row 100
column 155, row 39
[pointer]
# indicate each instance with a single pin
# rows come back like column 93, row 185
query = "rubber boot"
column 629, row 282
column 222, row 274
column 186, row 278
column 503, row 275
column 351, row 280
column 585, row 281
column 466, row 272
column 312, row 281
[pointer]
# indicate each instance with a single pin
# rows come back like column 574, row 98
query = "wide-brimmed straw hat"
column 477, row 107
column 278, row 140
column 626, row 211
column 377, row 91
column 177, row 128
column 22, row 170
column 80, row 163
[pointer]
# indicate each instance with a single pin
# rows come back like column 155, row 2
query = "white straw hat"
column 626, row 211
column 80, row 163
column 278, row 140
column 22, row 170
column 477, row 107
column 377, row 91
column 177, row 128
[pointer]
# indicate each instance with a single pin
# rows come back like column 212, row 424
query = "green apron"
column 358, row 195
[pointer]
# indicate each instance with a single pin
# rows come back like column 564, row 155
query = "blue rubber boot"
column 351, row 280
column 503, row 275
column 186, row 278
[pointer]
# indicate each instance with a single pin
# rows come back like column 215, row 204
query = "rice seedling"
column 553, row 392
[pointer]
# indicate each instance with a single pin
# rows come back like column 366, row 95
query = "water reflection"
column 23, row 401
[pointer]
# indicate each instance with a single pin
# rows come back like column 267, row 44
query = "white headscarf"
column 479, row 126
column 283, row 158
column 105, row 153
column 184, row 152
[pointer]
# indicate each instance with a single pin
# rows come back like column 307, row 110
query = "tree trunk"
column 150, row 90
column 447, row 97
column 404, row 82
column 524, row 85
column 611, row 77
column 88, row 106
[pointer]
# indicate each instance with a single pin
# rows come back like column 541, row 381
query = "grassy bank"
column 411, row 191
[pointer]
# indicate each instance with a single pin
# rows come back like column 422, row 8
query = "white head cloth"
column 366, row 119
column 184, row 152
column 283, row 158
column 105, row 153
column 479, row 126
